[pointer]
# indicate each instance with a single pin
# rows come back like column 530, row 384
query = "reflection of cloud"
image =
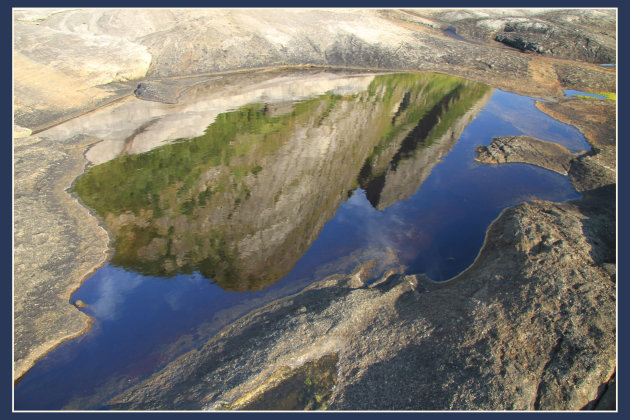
column 174, row 299
column 112, row 290
column 385, row 230
column 379, row 228
column 357, row 210
column 358, row 201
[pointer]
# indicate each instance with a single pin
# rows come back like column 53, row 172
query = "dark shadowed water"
column 385, row 173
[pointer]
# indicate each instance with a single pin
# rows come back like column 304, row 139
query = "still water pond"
column 276, row 194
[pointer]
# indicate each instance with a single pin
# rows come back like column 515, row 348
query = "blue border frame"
column 622, row 174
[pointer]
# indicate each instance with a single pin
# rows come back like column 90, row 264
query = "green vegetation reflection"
column 611, row 96
column 217, row 204
column 426, row 113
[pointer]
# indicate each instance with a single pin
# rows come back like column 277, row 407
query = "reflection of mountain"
column 242, row 203
column 434, row 119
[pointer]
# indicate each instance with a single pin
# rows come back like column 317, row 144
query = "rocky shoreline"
column 509, row 306
column 51, row 230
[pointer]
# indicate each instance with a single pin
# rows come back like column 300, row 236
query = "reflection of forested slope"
column 243, row 202
column 426, row 117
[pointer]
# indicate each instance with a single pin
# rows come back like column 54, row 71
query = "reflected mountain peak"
column 241, row 203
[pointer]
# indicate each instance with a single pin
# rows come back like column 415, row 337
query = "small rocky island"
column 525, row 149
column 530, row 325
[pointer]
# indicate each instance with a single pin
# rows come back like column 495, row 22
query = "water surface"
column 570, row 92
column 275, row 195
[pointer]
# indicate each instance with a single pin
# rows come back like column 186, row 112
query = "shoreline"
column 262, row 354
column 464, row 73
column 64, row 207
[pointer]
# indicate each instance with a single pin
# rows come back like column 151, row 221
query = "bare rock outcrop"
column 526, row 149
column 593, row 170
column 597, row 120
column 567, row 34
column 531, row 325
column 70, row 61
column 56, row 244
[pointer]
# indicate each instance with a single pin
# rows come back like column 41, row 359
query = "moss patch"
column 612, row 96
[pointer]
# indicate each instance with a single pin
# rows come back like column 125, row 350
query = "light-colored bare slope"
column 66, row 60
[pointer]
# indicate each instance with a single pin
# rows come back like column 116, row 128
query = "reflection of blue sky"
column 377, row 229
column 520, row 112
column 357, row 204
column 113, row 293
column 438, row 230
column 178, row 298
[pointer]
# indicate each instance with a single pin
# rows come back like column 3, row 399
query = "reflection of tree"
column 133, row 182
column 191, row 206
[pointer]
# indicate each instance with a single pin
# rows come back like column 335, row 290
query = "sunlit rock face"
column 243, row 201
column 63, row 57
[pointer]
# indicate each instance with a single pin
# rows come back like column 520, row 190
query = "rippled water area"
column 241, row 194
